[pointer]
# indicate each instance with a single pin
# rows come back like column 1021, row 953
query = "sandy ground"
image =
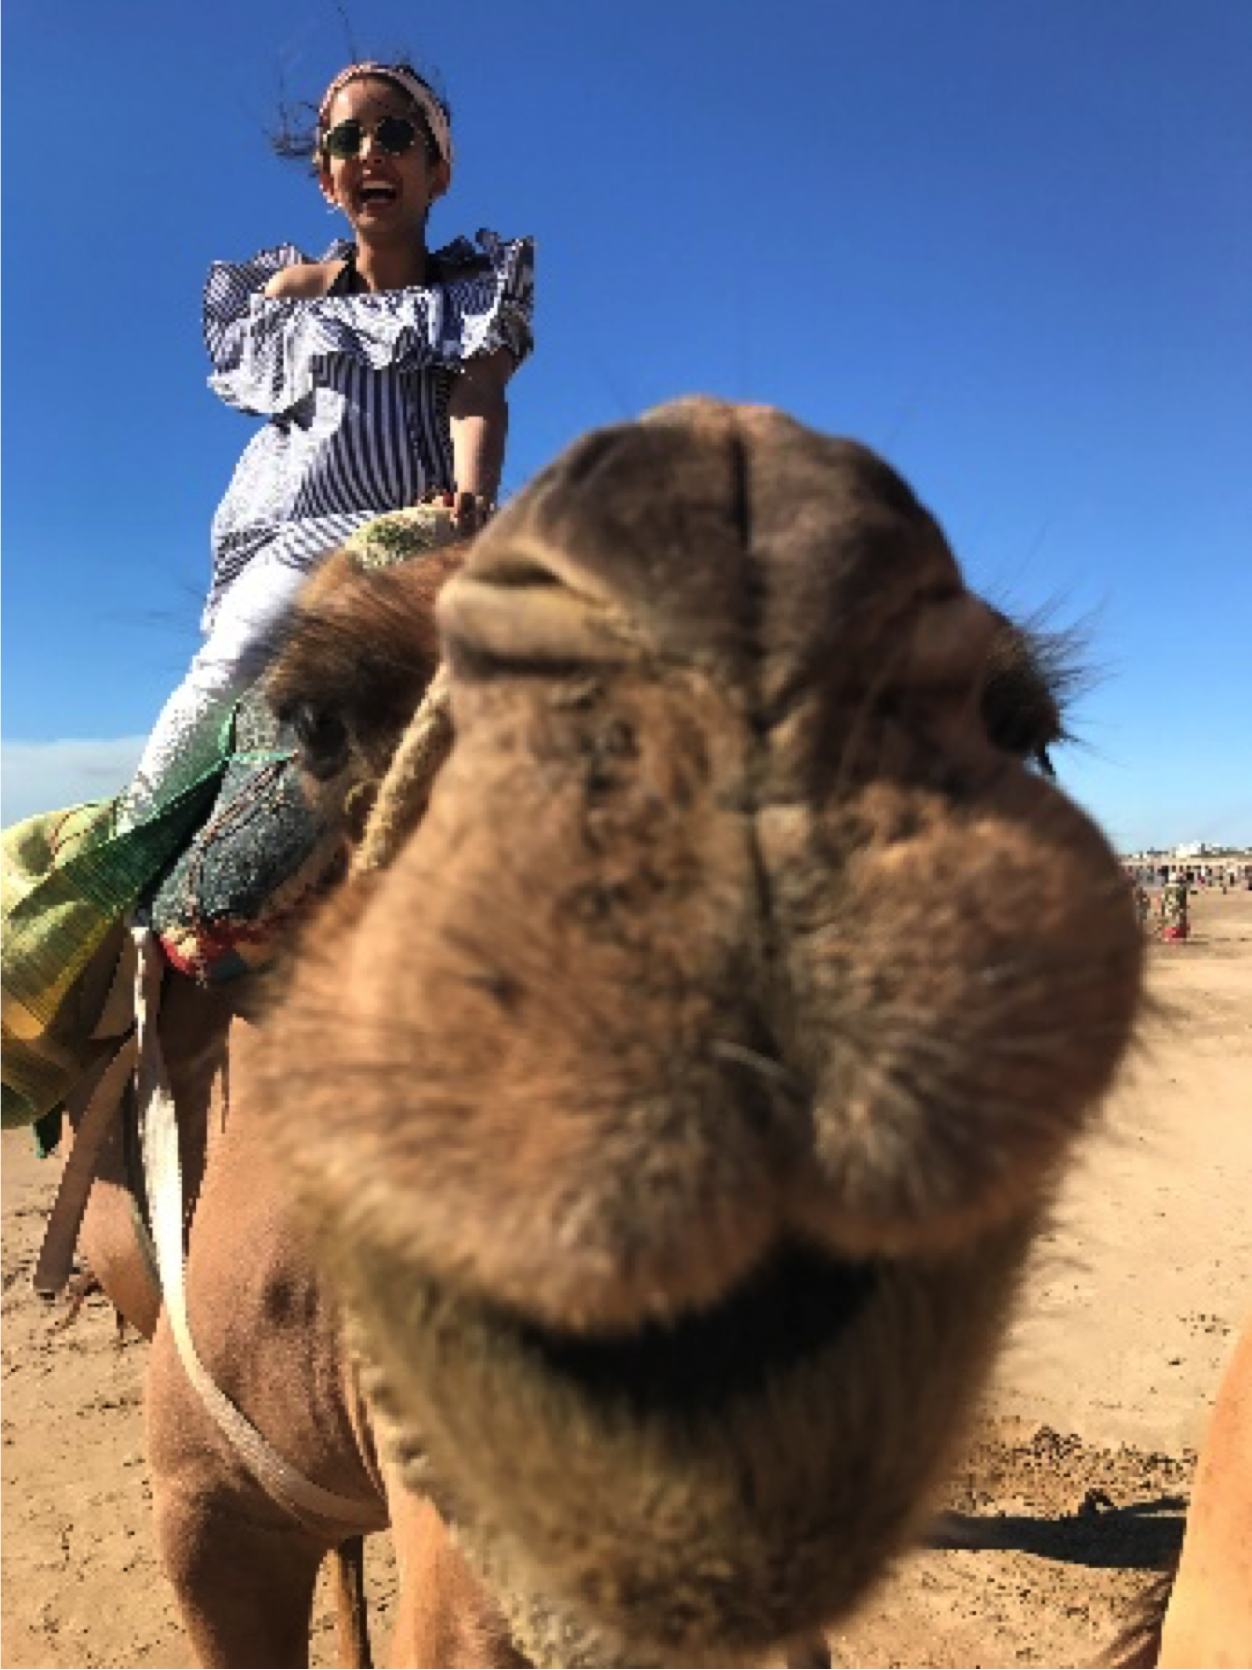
column 1078, row 1472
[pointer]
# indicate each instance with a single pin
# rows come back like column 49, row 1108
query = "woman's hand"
column 470, row 512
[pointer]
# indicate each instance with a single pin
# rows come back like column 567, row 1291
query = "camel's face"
column 678, row 1107
column 362, row 648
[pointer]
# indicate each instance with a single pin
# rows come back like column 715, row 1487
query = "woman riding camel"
column 381, row 370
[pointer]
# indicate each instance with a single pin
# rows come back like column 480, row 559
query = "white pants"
column 246, row 632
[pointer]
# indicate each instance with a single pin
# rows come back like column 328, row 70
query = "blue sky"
column 1006, row 242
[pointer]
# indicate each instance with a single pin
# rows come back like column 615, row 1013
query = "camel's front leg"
column 243, row 1571
column 444, row 1615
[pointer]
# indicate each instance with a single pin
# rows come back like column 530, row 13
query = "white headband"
column 408, row 83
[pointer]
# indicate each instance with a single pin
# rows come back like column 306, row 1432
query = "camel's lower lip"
column 762, row 1456
column 793, row 1306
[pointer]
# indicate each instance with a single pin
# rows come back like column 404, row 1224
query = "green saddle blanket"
column 67, row 881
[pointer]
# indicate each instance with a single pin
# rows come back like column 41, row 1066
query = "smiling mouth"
column 373, row 197
column 763, row 1454
column 791, row 1310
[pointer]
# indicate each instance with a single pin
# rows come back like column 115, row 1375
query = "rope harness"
column 397, row 809
column 405, row 790
column 402, row 798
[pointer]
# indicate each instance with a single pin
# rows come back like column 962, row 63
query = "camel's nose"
column 725, row 926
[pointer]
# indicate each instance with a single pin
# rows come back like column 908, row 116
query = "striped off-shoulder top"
column 355, row 387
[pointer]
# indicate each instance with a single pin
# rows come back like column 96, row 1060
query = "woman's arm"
column 480, row 424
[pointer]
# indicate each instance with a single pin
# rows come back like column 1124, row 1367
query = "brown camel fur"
column 676, row 1111
column 1209, row 1618
column 1199, row 1613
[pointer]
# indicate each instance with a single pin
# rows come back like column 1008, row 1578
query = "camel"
column 1199, row 1611
column 1209, row 1616
column 623, row 1192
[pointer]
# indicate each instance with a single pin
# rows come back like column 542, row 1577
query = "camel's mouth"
column 716, row 1480
column 791, row 1308
column 684, row 1385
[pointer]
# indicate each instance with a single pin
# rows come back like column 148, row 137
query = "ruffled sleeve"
column 492, row 306
column 228, row 294
column 269, row 353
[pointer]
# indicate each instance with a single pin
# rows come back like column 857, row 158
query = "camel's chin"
column 699, row 1492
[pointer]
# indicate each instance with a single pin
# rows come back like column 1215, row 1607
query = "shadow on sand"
column 1142, row 1534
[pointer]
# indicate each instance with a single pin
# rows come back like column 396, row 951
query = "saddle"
column 258, row 859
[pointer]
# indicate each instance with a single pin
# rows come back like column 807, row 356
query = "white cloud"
column 44, row 776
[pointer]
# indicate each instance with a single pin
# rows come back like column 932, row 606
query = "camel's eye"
column 323, row 739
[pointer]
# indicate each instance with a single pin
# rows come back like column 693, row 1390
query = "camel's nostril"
column 516, row 571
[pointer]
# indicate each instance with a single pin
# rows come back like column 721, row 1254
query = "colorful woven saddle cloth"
column 220, row 872
column 258, row 856
column 262, row 853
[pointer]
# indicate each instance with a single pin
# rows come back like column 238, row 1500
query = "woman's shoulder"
column 234, row 289
column 488, row 275
column 231, row 285
column 303, row 282
column 254, row 271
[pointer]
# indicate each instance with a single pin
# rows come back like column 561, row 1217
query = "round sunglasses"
column 393, row 134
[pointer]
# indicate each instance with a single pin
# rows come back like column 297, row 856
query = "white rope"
column 163, row 1170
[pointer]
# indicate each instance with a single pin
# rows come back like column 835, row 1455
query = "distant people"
column 1143, row 905
column 1175, row 917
